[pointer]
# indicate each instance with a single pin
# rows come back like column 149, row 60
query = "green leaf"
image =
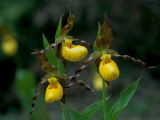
column 51, row 54
column 60, row 66
column 24, row 82
column 125, row 97
column 57, row 35
column 95, row 47
column 90, row 110
column 98, row 35
column 52, row 59
column 99, row 30
column 58, row 32
column 76, row 116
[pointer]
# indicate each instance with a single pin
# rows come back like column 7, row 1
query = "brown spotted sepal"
column 45, row 66
column 104, row 41
column 65, row 30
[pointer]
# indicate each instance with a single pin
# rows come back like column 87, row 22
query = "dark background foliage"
column 136, row 28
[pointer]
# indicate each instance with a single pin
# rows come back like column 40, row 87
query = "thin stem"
column 104, row 100
column 64, row 112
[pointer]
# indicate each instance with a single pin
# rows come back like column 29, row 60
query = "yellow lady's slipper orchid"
column 108, row 69
column 9, row 46
column 54, row 90
column 72, row 52
column 97, row 83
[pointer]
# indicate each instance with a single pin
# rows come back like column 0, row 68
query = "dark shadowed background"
column 136, row 28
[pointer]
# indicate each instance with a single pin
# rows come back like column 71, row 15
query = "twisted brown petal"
column 65, row 30
column 84, row 64
column 37, row 93
column 83, row 42
column 87, row 87
column 80, row 83
column 44, row 50
column 136, row 60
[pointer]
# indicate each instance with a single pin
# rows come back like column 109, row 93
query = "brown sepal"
column 58, row 54
column 65, row 30
column 45, row 66
column 106, row 36
column 62, row 82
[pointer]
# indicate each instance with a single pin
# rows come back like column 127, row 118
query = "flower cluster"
column 66, row 51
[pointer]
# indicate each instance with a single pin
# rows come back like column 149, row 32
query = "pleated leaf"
column 125, row 97
column 76, row 116
column 52, row 59
column 90, row 110
column 58, row 32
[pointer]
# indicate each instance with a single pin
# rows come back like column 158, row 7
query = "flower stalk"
column 64, row 111
column 104, row 100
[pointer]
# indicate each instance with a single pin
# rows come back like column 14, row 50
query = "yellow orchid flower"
column 54, row 90
column 72, row 52
column 108, row 69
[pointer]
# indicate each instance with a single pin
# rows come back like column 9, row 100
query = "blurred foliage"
column 25, row 86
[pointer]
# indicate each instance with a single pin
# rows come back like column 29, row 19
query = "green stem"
column 104, row 100
column 64, row 112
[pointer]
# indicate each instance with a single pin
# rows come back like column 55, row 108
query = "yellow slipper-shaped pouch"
column 108, row 69
column 73, row 53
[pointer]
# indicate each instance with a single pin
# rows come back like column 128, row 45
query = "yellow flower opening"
column 72, row 52
column 9, row 45
column 54, row 91
column 108, row 69
column 97, row 83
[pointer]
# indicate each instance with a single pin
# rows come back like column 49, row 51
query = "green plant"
column 53, row 60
